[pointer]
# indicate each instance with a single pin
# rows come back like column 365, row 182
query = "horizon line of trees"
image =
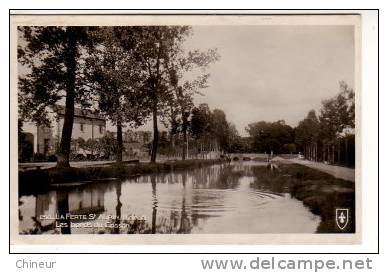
column 127, row 74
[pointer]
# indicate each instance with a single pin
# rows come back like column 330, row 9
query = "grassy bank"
column 320, row 192
column 35, row 181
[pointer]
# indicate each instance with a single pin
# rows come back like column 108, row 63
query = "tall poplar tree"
column 185, row 87
column 156, row 45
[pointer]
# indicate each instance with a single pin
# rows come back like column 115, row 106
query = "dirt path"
column 336, row 171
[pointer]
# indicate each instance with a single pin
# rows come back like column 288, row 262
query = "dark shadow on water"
column 63, row 210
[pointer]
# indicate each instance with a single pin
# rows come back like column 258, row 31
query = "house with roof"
column 87, row 125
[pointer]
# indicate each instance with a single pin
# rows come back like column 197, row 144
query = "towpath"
column 336, row 171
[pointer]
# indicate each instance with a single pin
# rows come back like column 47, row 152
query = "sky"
column 272, row 72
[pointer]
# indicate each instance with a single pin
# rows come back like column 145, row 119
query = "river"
column 220, row 199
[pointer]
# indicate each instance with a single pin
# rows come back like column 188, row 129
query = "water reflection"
column 242, row 197
column 154, row 203
column 116, row 228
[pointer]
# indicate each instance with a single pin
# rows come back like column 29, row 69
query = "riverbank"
column 35, row 181
column 345, row 173
column 322, row 193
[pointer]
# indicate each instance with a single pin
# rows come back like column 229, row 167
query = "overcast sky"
column 274, row 72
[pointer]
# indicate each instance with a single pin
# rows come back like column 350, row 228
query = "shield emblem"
column 342, row 217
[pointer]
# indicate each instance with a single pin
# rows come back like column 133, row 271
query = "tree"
column 52, row 58
column 78, row 144
column 212, row 130
column 184, row 89
column 171, row 120
column 115, row 78
column 235, row 143
column 201, row 124
column 270, row 136
column 336, row 115
column 163, row 58
column 307, row 134
column 155, row 45
column 220, row 129
column 92, row 145
column 107, row 145
column 25, row 147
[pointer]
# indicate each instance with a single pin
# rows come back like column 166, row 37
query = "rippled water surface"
column 219, row 199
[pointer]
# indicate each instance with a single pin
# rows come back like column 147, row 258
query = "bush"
column 52, row 158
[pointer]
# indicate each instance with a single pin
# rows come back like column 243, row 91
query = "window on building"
column 101, row 129
column 81, row 127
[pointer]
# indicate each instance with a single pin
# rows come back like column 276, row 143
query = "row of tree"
column 328, row 136
column 128, row 74
column 204, row 130
column 211, row 130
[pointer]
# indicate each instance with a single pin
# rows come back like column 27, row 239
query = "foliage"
column 25, row 148
column 53, row 60
column 164, row 61
column 200, row 125
column 115, row 77
column 338, row 113
column 307, row 131
column 211, row 129
column 125, row 73
column 220, row 128
column 330, row 131
column 181, row 104
column 270, row 136
column 46, row 54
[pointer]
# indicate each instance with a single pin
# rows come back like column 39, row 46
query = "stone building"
column 87, row 125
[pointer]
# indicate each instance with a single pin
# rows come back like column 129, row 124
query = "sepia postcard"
column 185, row 129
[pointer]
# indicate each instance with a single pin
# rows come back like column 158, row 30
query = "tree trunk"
column 119, row 156
column 339, row 152
column 184, row 146
column 307, row 152
column 313, row 151
column 172, row 141
column 346, row 152
column 156, row 134
column 63, row 155
column 327, row 153
column 184, row 131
